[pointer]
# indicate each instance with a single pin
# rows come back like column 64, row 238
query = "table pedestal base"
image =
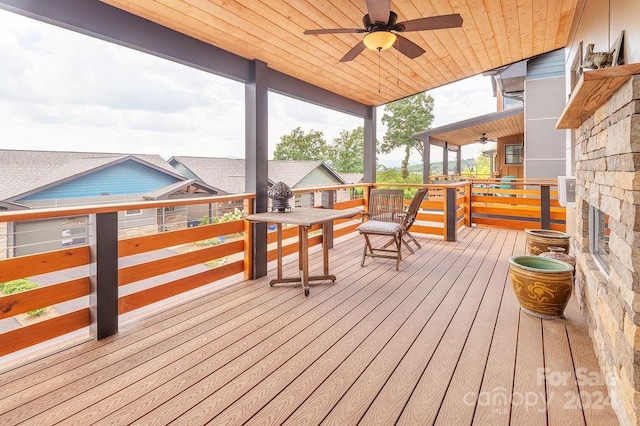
column 299, row 281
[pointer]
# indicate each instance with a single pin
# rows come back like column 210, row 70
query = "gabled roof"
column 293, row 172
column 224, row 173
column 24, row 173
column 228, row 174
column 197, row 186
column 495, row 125
column 352, row 177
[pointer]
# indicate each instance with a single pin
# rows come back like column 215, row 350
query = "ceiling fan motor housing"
column 378, row 26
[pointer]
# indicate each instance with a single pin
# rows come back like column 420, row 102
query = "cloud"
column 61, row 90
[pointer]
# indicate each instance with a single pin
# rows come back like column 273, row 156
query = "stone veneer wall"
column 607, row 159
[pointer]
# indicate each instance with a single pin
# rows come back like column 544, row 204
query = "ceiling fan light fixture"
column 379, row 40
column 483, row 139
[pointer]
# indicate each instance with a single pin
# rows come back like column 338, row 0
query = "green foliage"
column 299, row 146
column 236, row 214
column 347, row 152
column 17, row 286
column 404, row 118
column 227, row 217
column 394, row 175
column 483, row 165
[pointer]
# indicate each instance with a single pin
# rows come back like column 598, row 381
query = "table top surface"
column 304, row 217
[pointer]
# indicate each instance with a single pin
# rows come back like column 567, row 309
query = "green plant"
column 208, row 242
column 19, row 285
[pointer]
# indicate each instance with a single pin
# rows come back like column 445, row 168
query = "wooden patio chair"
column 409, row 218
column 385, row 219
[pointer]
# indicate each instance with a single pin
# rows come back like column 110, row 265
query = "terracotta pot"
column 538, row 240
column 560, row 253
column 543, row 286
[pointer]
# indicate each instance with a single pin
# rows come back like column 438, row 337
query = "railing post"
column 450, row 229
column 545, row 206
column 248, row 241
column 468, row 200
column 328, row 198
column 365, row 197
column 103, row 299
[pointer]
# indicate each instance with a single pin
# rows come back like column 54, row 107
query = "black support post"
column 370, row 145
column 450, row 215
column 103, row 299
column 545, row 207
column 256, row 156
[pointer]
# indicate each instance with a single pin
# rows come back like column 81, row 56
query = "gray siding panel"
column 548, row 65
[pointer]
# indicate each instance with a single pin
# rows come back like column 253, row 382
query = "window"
column 508, row 103
column 513, row 154
column 599, row 236
column 136, row 212
column 74, row 231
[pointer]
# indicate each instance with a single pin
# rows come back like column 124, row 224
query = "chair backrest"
column 414, row 207
column 386, row 204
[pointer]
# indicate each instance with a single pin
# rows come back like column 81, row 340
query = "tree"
column 347, row 152
column 301, row 147
column 404, row 118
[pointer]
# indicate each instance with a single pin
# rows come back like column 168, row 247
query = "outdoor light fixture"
column 379, row 40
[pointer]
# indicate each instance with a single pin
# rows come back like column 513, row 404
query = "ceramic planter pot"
column 539, row 240
column 542, row 286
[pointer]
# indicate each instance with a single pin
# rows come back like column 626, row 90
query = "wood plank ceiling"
column 494, row 33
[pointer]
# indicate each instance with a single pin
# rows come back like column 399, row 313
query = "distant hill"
column 436, row 168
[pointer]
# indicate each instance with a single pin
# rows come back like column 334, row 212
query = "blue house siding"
column 128, row 177
column 548, row 65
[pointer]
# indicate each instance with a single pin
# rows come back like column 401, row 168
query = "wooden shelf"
column 594, row 88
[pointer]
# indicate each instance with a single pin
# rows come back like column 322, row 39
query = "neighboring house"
column 229, row 175
column 531, row 97
column 41, row 179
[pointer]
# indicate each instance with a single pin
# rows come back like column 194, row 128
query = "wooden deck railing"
column 110, row 276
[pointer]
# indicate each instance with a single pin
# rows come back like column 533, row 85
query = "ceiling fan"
column 483, row 139
column 381, row 28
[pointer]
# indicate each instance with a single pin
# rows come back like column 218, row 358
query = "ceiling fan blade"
column 334, row 31
column 430, row 23
column 379, row 10
column 407, row 47
column 355, row 51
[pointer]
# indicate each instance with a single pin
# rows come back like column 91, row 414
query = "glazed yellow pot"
column 542, row 286
column 539, row 240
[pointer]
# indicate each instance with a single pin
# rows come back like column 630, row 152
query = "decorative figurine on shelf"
column 280, row 194
column 595, row 60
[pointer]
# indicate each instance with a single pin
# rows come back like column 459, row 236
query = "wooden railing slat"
column 42, row 263
column 30, row 335
column 146, row 243
column 160, row 292
column 157, row 267
column 26, row 301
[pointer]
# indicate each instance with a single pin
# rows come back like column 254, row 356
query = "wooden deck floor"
column 440, row 342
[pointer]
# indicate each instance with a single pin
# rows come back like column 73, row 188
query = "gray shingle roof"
column 229, row 174
column 224, row 173
column 23, row 172
column 352, row 177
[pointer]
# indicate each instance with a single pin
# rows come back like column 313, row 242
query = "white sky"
column 63, row 91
